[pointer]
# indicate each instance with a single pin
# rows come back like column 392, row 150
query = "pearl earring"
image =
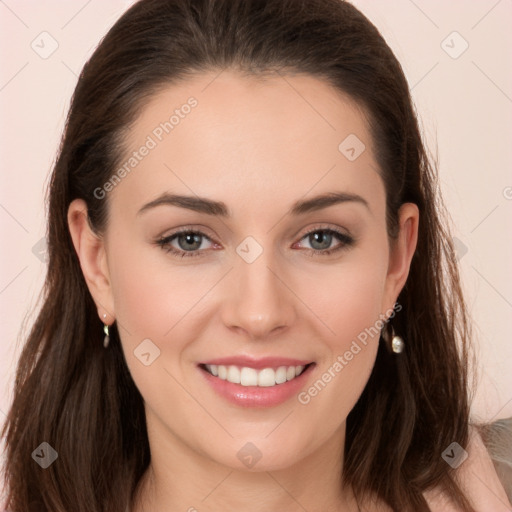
column 397, row 344
column 106, row 340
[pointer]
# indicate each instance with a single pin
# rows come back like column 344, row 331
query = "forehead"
column 229, row 136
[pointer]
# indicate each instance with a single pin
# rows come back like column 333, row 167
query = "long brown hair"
column 81, row 399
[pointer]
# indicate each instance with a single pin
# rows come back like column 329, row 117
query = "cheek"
column 348, row 302
column 156, row 299
column 152, row 295
column 347, row 297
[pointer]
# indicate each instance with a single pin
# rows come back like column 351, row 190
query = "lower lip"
column 256, row 396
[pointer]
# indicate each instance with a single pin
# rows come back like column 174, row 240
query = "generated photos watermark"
column 152, row 140
column 342, row 360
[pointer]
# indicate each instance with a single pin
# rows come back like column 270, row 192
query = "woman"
column 252, row 300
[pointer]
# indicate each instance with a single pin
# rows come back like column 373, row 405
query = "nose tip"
column 257, row 325
column 260, row 326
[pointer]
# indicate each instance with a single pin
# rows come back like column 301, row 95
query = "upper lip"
column 258, row 364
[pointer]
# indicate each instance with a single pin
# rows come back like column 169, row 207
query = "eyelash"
column 346, row 242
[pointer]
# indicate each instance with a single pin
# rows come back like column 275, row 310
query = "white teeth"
column 267, row 377
column 281, row 375
column 222, row 372
column 246, row 376
column 233, row 375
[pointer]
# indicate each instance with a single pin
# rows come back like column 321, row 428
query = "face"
column 269, row 271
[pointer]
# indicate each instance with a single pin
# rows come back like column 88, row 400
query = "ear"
column 400, row 254
column 90, row 249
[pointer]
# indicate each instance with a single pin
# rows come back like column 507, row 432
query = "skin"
column 258, row 146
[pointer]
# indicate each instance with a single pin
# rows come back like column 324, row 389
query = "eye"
column 187, row 243
column 321, row 241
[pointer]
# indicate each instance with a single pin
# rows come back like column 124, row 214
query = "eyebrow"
column 218, row 208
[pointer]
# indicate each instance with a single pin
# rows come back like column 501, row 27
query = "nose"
column 258, row 302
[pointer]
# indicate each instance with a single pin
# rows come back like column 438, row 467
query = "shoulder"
column 478, row 479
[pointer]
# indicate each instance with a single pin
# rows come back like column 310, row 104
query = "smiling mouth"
column 246, row 376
